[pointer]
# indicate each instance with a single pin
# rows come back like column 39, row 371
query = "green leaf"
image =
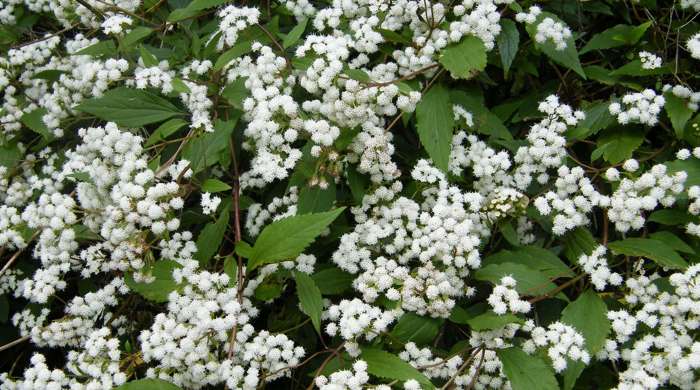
column 671, row 217
column 161, row 287
column 490, row 320
column 357, row 183
column 204, row 150
column 129, row 107
column 286, row 238
column 434, row 124
column 678, row 112
column 412, row 327
column 619, row 35
column 148, row 59
column 673, row 241
column 314, row 199
column 33, row 120
column 508, row 41
column 229, row 55
column 357, row 74
column 464, row 59
column 148, row 384
column 192, row 9
column 244, row 249
column 105, row 48
column 530, row 281
column 578, row 242
column 333, row 281
column 598, row 117
column 165, row 130
column 210, row 238
column 535, row 257
column 634, row 68
column 618, row 144
column 508, row 231
column 690, row 166
column 383, row 364
column 49, row 75
column 588, row 314
column 134, row 36
column 526, row 372
column 231, row 269
column 295, row 34
column 10, row 154
column 309, row 298
column 485, row 121
column 236, row 92
column 567, row 57
column 268, row 290
column 655, row 250
column 214, row 185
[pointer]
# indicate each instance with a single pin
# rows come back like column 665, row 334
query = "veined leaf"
column 530, row 281
column 619, row 35
column 655, row 250
column 386, row 365
column 464, row 59
column 148, row 384
column 419, row 329
column 333, row 281
column 214, row 185
column 508, row 41
column 588, row 315
column 526, row 372
column 159, row 289
column 296, row 33
column 286, row 238
column 678, row 112
column 210, row 238
column 309, row 298
column 129, row 107
column 435, row 122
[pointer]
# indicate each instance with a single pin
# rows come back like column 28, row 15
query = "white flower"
column 209, row 204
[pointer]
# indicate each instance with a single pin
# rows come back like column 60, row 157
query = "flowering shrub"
column 366, row 194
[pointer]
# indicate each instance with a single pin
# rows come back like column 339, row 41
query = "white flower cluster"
column 547, row 146
column 596, row 266
column 643, row 107
column 345, row 379
column 547, row 28
column 649, row 60
column 634, row 196
column 415, row 253
column 557, row 32
column 504, row 298
column 233, row 20
column 209, row 203
column 693, row 46
column 530, row 16
column 563, row 343
column 353, row 320
column 665, row 351
column 95, row 367
column 198, row 321
column 694, row 4
column 574, row 198
column 686, row 93
column 114, row 25
column 430, row 366
column 258, row 216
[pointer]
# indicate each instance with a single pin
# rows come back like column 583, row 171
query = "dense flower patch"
column 368, row 194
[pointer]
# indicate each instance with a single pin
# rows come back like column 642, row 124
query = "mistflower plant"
column 366, row 194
